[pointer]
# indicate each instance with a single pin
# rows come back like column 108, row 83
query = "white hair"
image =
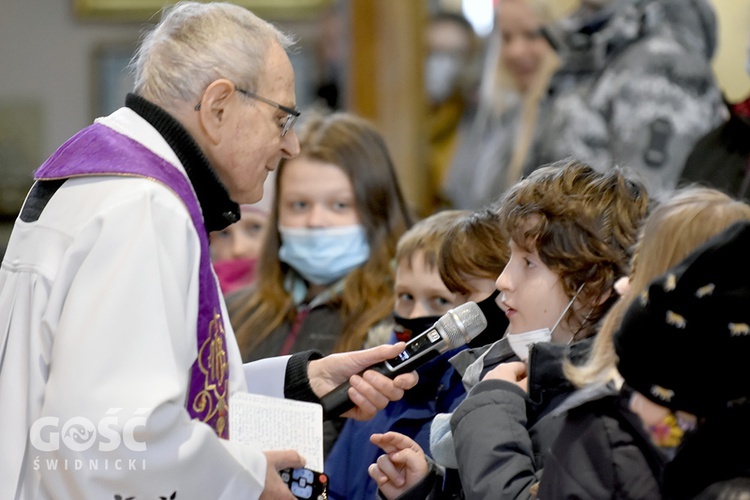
column 197, row 43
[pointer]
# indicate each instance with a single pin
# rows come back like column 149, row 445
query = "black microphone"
column 454, row 329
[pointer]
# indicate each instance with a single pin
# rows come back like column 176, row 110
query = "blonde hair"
column 502, row 82
column 498, row 92
column 355, row 146
column 690, row 217
column 196, row 43
column 427, row 236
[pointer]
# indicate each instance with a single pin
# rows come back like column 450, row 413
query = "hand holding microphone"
column 454, row 329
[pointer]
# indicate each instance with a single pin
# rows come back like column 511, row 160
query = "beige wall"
column 729, row 62
column 45, row 58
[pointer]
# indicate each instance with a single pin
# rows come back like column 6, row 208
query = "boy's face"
column 532, row 295
column 420, row 291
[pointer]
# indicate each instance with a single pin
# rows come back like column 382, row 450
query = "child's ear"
column 622, row 286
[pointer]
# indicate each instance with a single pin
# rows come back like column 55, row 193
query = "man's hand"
column 274, row 487
column 371, row 391
column 512, row 371
column 403, row 466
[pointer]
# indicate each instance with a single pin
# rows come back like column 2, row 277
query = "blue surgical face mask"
column 324, row 255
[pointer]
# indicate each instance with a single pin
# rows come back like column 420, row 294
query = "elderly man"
column 117, row 362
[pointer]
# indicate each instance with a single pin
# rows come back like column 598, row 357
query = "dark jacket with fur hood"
column 635, row 88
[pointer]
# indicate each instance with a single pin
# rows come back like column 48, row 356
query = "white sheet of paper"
column 278, row 424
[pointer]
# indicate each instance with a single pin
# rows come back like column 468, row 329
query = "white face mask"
column 520, row 342
column 441, row 74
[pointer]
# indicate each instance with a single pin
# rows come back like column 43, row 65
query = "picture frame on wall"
column 144, row 10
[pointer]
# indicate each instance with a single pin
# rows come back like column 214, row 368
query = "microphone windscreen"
column 461, row 324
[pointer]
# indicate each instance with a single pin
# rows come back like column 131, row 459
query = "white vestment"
column 98, row 310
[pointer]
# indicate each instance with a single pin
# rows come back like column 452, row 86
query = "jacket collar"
column 219, row 211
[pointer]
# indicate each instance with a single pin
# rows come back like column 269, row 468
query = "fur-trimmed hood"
column 587, row 39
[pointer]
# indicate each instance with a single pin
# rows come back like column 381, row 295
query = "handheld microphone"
column 454, row 329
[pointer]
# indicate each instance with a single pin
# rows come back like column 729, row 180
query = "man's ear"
column 214, row 107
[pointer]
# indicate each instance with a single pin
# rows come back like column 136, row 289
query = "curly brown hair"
column 583, row 224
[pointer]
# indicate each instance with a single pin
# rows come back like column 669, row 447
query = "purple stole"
column 99, row 150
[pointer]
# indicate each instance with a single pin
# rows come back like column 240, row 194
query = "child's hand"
column 512, row 371
column 403, row 465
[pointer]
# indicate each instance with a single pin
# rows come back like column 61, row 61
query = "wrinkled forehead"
column 278, row 74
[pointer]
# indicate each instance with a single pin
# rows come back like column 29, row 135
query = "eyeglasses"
column 292, row 114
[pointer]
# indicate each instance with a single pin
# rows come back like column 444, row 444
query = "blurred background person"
column 330, row 51
column 635, row 87
column 451, row 78
column 494, row 144
column 721, row 159
column 235, row 249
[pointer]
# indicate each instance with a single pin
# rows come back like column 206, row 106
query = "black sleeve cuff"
column 296, row 382
column 423, row 489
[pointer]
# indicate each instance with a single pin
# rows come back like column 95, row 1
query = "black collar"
column 219, row 211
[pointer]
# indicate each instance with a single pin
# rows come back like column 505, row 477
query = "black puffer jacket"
column 500, row 433
column 721, row 159
column 602, row 451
